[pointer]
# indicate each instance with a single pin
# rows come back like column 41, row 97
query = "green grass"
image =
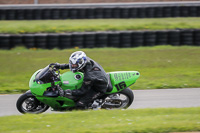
column 57, row 26
column 106, row 121
column 160, row 66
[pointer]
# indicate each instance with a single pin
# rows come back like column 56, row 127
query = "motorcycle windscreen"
column 44, row 76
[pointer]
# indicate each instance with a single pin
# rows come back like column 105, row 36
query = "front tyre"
column 119, row 100
column 27, row 103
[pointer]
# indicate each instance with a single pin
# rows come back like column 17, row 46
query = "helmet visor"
column 74, row 66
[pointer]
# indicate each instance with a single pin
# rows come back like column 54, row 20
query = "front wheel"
column 119, row 100
column 27, row 103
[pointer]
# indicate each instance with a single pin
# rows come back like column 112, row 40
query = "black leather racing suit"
column 95, row 83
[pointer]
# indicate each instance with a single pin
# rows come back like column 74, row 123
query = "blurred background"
column 75, row 1
column 158, row 38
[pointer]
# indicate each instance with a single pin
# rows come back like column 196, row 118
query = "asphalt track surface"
column 159, row 98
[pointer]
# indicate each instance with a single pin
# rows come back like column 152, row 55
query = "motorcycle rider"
column 95, row 82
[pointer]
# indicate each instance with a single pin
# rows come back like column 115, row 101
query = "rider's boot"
column 96, row 105
column 60, row 91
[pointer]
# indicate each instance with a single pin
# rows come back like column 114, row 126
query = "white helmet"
column 77, row 61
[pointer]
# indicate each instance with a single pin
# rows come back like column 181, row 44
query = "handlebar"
column 53, row 69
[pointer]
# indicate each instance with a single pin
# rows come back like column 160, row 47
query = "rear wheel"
column 120, row 100
column 27, row 103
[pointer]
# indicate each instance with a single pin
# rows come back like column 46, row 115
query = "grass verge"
column 57, row 26
column 106, row 121
column 160, row 66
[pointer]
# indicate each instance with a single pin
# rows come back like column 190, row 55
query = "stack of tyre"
column 93, row 12
column 101, row 39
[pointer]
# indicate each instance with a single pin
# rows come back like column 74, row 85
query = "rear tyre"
column 120, row 100
column 27, row 103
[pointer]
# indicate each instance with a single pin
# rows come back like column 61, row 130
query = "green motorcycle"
column 43, row 91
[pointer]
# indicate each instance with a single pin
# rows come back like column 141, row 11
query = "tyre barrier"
column 121, row 39
column 101, row 39
column 113, row 39
column 5, row 42
column 161, row 37
column 52, row 40
column 174, row 37
column 40, row 41
column 28, row 40
column 77, row 40
column 65, row 40
column 186, row 37
column 196, row 39
column 149, row 38
column 45, row 13
column 138, row 38
column 89, row 40
column 125, row 39
column 15, row 40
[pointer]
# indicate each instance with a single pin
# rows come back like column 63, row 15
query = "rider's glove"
column 57, row 66
column 68, row 92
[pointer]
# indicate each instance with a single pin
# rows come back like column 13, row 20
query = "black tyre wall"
column 46, row 14
column 10, row 14
column 28, row 14
column 158, row 12
column 141, row 12
column 124, row 12
column 184, row 11
column 89, row 40
column 197, row 37
column 90, row 13
column 175, row 11
column 77, row 40
column 65, row 41
column 41, row 40
column 161, row 37
column 55, row 14
column 52, row 41
column 192, row 11
column 61, row 12
column 64, row 13
column 5, row 41
column 114, row 39
column 2, row 14
column 20, row 14
column 37, row 14
column 98, row 13
column 73, row 13
column 82, row 13
column 137, row 38
column 29, row 40
column 198, row 11
column 107, row 12
column 186, row 37
column 116, row 13
column 149, row 38
column 174, row 37
column 150, row 12
column 101, row 39
column 15, row 40
column 125, row 39
column 133, row 13
column 167, row 11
